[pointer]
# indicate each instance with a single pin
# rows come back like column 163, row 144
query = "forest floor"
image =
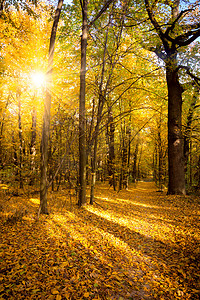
column 133, row 244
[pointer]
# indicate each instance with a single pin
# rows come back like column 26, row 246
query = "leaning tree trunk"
column 175, row 138
column 46, row 118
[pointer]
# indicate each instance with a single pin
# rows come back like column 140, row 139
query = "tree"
column 179, row 31
column 46, row 119
column 188, row 129
column 82, row 133
column 82, row 120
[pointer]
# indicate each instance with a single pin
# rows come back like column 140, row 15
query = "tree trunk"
column 20, row 141
column 46, row 118
column 129, row 155
column 124, row 159
column 167, row 49
column 188, row 130
column 135, row 160
column 175, row 138
column 15, row 158
column 96, row 134
column 1, row 134
column 33, row 146
column 160, row 156
column 190, row 165
column 82, row 125
column 111, row 150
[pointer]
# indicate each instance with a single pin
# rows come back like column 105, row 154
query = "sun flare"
column 38, row 79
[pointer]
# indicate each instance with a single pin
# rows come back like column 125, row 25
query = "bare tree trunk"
column 33, row 146
column 129, row 154
column 1, row 133
column 46, row 118
column 188, row 130
column 175, row 138
column 101, row 102
column 167, row 49
column 135, row 161
column 20, row 141
column 111, row 150
column 160, row 156
column 82, row 123
column 124, row 159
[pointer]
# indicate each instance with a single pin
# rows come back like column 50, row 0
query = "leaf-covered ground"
column 132, row 244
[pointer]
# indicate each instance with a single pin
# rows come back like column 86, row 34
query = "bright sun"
column 38, row 79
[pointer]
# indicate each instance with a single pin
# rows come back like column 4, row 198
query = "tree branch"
column 180, row 40
column 104, row 8
column 171, row 27
column 156, row 25
column 194, row 77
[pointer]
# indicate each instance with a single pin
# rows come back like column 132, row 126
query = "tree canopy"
column 141, row 93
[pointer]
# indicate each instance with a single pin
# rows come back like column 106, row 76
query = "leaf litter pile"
column 132, row 244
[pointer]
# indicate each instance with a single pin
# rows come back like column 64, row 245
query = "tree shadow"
column 169, row 257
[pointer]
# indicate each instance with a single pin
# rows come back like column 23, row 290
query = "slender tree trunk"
column 190, row 165
column 20, row 141
column 15, row 158
column 111, row 150
column 93, row 171
column 1, row 133
column 160, row 155
column 188, row 130
column 135, row 160
column 124, row 159
column 89, row 141
column 129, row 154
column 101, row 102
column 46, row 118
column 33, row 146
column 82, row 121
column 96, row 134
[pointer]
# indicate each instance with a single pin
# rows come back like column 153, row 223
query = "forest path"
column 132, row 244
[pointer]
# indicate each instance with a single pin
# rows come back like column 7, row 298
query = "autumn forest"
column 99, row 149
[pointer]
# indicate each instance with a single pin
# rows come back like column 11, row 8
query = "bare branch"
column 104, row 8
column 171, row 27
column 180, row 40
column 156, row 25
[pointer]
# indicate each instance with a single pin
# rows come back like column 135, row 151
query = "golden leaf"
column 54, row 292
column 86, row 295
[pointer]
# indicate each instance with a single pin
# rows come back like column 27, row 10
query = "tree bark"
column 167, row 50
column 111, row 149
column 175, row 139
column 46, row 117
column 82, row 121
column 188, row 131
column 135, row 160
column 33, row 146
column 20, row 141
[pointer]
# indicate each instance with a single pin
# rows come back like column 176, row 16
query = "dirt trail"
column 133, row 244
